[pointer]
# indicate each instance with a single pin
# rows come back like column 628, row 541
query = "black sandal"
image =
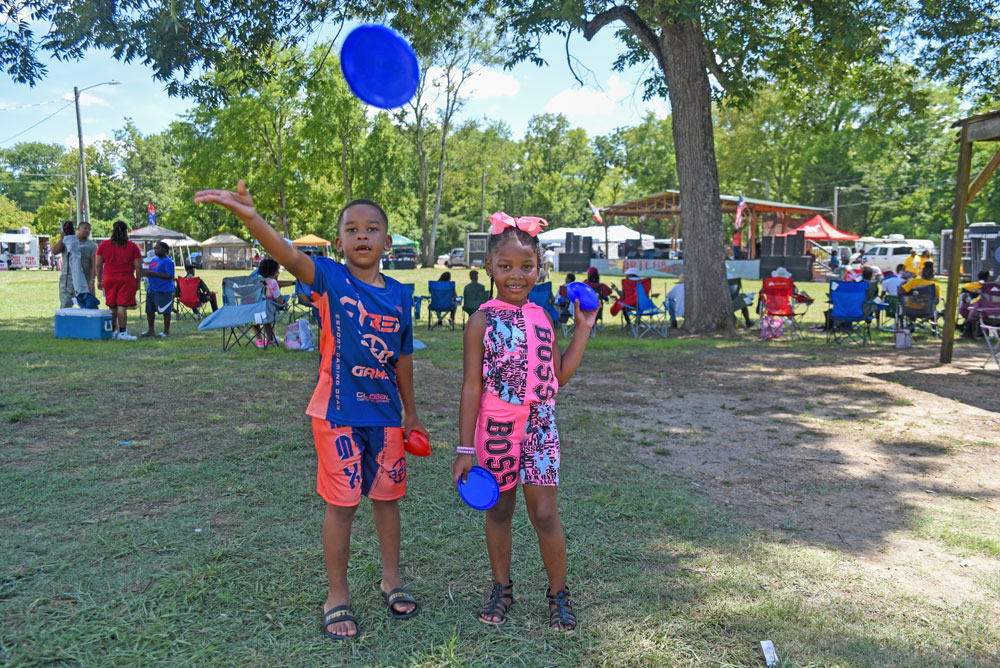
column 496, row 605
column 400, row 595
column 561, row 617
column 342, row 613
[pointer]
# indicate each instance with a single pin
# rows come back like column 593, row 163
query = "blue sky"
column 609, row 100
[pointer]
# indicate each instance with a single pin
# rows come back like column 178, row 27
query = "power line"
column 38, row 123
column 29, row 106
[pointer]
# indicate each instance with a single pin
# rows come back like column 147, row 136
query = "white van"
column 889, row 256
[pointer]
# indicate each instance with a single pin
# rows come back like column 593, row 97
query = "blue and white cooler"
column 83, row 323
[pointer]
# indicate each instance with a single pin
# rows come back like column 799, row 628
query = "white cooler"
column 83, row 323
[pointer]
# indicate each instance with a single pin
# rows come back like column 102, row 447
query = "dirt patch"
column 842, row 448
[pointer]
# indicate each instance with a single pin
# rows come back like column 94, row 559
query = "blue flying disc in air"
column 379, row 66
column 584, row 294
column 480, row 489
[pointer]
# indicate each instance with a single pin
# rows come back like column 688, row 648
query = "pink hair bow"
column 500, row 221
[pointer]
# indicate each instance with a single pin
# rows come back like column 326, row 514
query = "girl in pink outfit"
column 513, row 370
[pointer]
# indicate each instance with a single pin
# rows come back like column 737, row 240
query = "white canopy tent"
column 177, row 247
column 226, row 251
column 616, row 234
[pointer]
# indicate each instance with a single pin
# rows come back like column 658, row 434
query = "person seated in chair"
column 563, row 303
column 205, row 296
column 675, row 301
column 967, row 303
column 926, row 278
column 446, row 278
column 474, row 294
column 631, row 274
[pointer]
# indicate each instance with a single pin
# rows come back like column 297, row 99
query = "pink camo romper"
column 516, row 436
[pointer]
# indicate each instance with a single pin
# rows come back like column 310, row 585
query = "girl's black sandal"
column 561, row 616
column 496, row 605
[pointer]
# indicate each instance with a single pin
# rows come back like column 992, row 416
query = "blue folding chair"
column 243, row 306
column 848, row 317
column 416, row 299
column 918, row 309
column 647, row 316
column 443, row 303
column 541, row 294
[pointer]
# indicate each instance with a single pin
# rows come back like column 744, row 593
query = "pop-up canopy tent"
column 177, row 247
column 312, row 241
column 818, row 229
column 226, row 251
column 146, row 236
column 401, row 241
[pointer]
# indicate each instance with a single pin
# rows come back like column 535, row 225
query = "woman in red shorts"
column 119, row 268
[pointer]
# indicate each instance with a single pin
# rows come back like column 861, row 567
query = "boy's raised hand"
column 239, row 203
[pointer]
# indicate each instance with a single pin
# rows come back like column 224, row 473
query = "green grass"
column 197, row 544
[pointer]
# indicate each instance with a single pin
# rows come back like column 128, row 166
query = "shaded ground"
column 861, row 451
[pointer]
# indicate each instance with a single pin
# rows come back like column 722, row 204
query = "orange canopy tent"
column 818, row 228
column 310, row 240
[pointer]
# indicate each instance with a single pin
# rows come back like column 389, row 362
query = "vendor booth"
column 226, row 251
column 312, row 244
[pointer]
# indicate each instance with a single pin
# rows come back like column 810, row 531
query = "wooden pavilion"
column 982, row 127
column 667, row 204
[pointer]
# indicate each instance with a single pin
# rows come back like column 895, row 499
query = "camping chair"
column 417, row 300
column 647, row 316
column 188, row 303
column 300, row 304
column 849, row 318
column 778, row 295
column 628, row 295
column 986, row 310
column 740, row 302
column 472, row 300
column 918, row 309
column 443, row 303
column 541, row 294
column 243, row 306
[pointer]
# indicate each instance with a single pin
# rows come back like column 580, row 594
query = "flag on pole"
column 597, row 214
column 152, row 214
column 741, row 206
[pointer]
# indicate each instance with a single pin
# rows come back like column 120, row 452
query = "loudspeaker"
column 766, row 246
column 587, row 245
column 778, row 245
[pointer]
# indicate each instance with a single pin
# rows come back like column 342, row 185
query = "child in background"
column 160, row 296
column 269, row 270
column 513, row 369
column 366, row 325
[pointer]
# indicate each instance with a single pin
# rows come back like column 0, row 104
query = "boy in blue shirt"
column 365, row 388
column 160, row 295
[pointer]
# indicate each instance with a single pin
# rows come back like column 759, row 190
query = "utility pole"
column 836, row 192
column 482, row 204
column 82, row 172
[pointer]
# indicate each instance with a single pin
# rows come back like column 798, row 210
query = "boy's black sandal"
column 400, row 595
column 561, row 616
column 342, row 613
column 496, row 605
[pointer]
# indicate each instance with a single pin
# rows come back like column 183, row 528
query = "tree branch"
column 714, row 67
column 634, row 22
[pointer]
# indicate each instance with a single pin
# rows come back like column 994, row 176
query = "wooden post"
column 957, row 240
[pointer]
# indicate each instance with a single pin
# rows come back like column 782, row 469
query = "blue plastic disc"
column 418, row 344
column 480, row 489
column 379, row 66
column 584, row 294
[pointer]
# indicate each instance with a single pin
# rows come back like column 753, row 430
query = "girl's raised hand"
column 239, row 203
column 586, row 318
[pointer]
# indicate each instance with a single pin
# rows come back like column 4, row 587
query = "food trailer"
column 19, row 249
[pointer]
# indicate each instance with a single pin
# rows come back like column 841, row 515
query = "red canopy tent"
column 818, row 229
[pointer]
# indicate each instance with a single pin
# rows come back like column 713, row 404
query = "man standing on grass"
column 77, row 277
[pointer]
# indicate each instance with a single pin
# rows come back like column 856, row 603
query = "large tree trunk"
column 707, row 300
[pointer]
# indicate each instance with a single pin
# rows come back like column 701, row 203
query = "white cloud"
column 88, row 100
column 482, row 84
column 617, row 99
column 72, row 141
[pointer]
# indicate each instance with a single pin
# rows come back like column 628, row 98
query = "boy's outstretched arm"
column 241, row 205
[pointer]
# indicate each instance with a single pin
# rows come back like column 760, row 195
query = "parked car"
column 456, row 259
column 443, row 258
column 889, row 256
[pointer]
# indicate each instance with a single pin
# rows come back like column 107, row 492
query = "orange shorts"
column 358, row 460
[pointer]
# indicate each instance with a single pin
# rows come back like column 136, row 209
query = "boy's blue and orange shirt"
column 360, row 345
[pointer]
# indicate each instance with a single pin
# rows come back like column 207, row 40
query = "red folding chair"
column 783, row 311
column 188, row 303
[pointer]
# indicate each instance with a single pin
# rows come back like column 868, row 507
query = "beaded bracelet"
column 465, row 450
